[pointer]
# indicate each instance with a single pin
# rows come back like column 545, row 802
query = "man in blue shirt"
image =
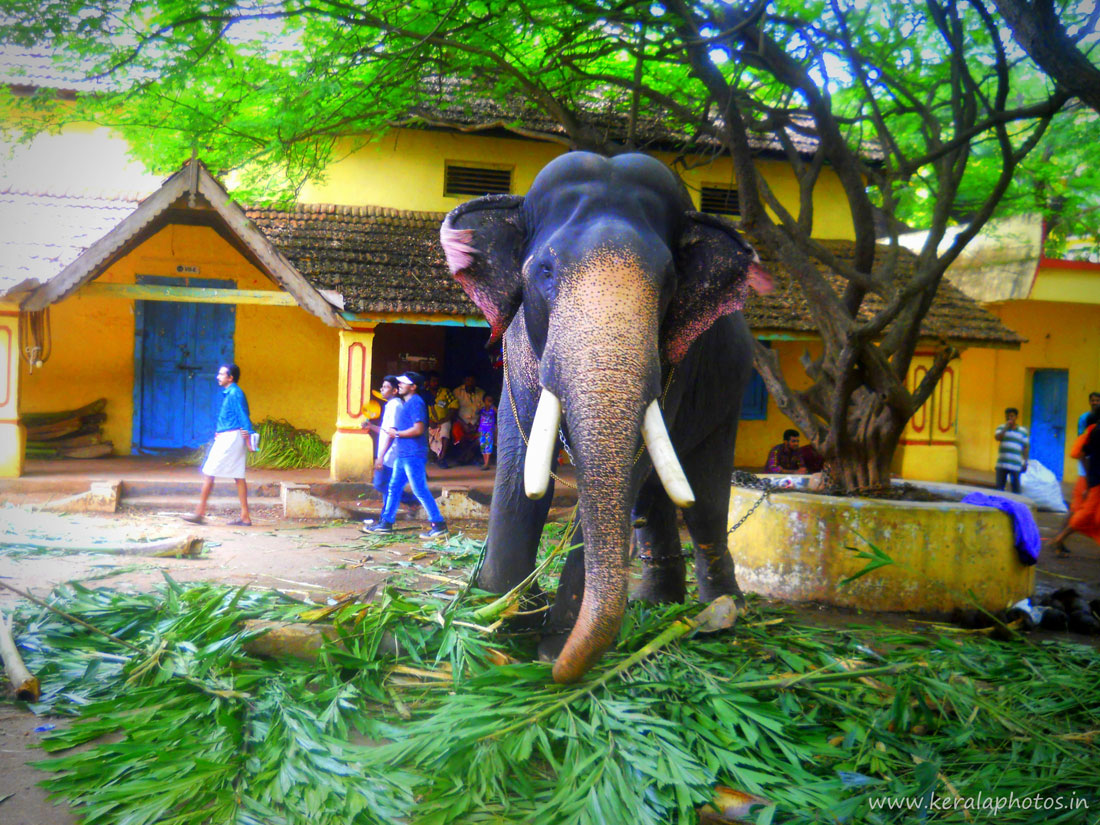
column 410, row 432
column 228, row 454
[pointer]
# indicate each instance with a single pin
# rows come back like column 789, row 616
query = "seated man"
column 441, row 414
column 786, row 457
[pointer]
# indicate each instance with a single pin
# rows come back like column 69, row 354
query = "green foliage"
column 818, row 722
column 274, row 92
column 282, row 447
column 875, row 557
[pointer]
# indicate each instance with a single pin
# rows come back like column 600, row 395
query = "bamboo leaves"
column 430, row 727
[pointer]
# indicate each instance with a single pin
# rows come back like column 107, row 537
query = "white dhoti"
column 227, row 456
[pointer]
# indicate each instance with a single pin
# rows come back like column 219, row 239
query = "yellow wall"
column 1067, row 282
column 756, row 438
column 287, row 356
column 1060, row 336
column 404, row 170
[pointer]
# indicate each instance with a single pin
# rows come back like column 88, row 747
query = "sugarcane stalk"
column 297, row 640
column 174, row 547
column 25, row 683
column 677, row 630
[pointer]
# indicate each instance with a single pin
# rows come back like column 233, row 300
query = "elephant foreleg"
column 657, row 544
column 709, row 468
column 515, row 521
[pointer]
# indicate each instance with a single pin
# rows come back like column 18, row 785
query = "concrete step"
column 186, row 504
column 144, row 488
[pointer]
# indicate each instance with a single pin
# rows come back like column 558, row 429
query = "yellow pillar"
column 352, row 446
column 12, row 435
column 928, row 450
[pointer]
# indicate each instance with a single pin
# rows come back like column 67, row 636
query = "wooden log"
column 77, row 439
column 174, row 547
column 35, row 419
column 298, row 640
column 26, row 685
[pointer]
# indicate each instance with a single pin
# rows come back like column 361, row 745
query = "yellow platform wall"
column 795, row 547
column 1060, row 336
column 404, row 169
column 288, row 358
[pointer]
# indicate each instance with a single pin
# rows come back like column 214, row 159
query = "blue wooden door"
column 1048, row 418
column 181, row 346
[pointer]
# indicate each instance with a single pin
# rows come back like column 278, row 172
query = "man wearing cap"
column 410, row 434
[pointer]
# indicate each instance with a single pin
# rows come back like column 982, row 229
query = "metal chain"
column 743, row 479
column 561, row 432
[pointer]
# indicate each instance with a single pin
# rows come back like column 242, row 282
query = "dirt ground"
column 297, row 556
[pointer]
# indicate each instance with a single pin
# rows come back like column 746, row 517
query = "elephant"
column 619, row 310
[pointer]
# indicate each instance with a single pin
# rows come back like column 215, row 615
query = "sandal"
column 238, row 523
column 194, row 519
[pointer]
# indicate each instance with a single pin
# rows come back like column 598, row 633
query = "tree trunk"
column 862, row 458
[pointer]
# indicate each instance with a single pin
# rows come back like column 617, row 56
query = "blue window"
column 754, row 406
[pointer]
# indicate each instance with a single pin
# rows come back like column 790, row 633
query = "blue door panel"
column 182, row 345
column 1049, row 389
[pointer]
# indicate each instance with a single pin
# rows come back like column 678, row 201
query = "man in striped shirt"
column 1012, row 455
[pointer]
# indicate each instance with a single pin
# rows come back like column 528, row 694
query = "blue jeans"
column 381, row 483
column 1001, row 475
column 411, row 470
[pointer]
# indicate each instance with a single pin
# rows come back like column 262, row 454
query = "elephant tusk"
column 664, row 458
column 542, row 445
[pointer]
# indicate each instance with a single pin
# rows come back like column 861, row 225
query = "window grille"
column 461, row 179
column 720, row 200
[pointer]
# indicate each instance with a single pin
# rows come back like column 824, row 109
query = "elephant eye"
column 546, row 271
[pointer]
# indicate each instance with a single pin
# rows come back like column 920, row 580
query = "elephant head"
column 615, row 277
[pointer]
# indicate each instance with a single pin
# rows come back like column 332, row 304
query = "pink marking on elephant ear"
column 485, row 301
column 696, row 315
column 760, row 279
column 457, row 247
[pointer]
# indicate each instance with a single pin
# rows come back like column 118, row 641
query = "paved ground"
column 305, row 557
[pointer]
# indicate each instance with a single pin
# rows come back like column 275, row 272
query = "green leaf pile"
column 282, row 447
column 462, row 726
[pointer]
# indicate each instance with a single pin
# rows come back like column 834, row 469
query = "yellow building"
column 1055, row 305
column 316, row 304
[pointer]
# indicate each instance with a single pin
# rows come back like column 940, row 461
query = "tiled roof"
column 41, row 234
column 388, row 261
column 606, row 115
column 952, row 316
column 380, row 260
column 40, row 70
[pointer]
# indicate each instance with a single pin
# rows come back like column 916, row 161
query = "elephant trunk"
column 604, row 438
column 601, row 360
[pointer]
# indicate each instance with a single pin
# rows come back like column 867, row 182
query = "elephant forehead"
column 631, row 183
column 611, row 279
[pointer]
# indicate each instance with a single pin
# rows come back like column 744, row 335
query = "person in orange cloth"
column 1085, row 508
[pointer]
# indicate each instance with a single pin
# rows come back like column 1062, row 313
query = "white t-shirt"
column 389, row 419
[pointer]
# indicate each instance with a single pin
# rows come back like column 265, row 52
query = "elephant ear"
column 716, row 268
column 483, row 242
